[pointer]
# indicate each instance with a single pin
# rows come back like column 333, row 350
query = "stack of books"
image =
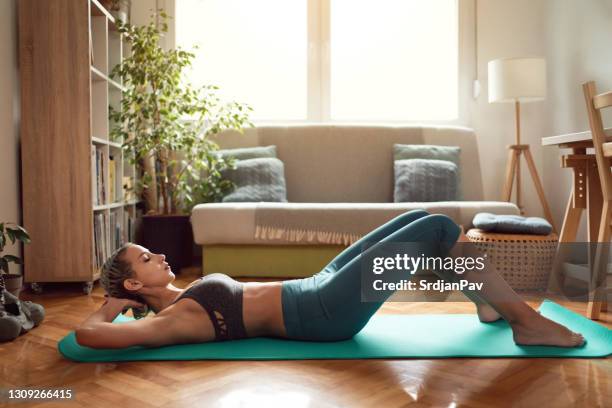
column 109, row 235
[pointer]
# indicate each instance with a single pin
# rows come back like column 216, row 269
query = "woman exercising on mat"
column 324, row 307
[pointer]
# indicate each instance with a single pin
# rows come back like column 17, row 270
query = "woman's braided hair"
column 115, row 271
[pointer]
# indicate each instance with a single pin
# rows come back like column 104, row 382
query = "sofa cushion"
column 260, row 179
column 431, row 152
column 423, row 180
column 234, row 223
column 245, row 153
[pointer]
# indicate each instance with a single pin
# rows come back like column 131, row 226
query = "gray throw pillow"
column 245, row 153
column 421, row 180
column 450, row 153
column 260, row 179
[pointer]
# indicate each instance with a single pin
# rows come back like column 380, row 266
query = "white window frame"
column 319, row 63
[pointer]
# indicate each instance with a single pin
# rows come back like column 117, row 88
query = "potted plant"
column 13, row 233
column 166, row 127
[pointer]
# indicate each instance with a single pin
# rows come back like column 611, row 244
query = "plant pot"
column 13, row 283
column 170, row 235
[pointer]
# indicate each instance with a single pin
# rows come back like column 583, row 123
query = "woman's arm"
column 148, row 332
column 97, row 331
column 109, row 310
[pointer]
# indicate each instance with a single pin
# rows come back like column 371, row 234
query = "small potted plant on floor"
column 167, row 128
column 13, row 233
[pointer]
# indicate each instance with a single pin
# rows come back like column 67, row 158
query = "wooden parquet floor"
column 33, row 361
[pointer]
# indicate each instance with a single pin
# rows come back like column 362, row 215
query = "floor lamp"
column 519, row 80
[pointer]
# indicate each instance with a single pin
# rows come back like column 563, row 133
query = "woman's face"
column 151, row 270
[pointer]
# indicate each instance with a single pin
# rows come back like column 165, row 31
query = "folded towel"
column 513, row 224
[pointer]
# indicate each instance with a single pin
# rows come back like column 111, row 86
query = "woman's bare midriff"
column 262, row 309
column 262, row 312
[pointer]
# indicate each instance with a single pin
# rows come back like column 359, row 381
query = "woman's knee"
column 412, row 215
column 448, row 229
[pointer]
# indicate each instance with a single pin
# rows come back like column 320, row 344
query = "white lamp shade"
column 517, row 79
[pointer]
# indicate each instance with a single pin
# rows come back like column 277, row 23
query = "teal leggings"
column 328, row 306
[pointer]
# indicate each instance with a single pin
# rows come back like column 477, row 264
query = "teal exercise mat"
column 385, row 336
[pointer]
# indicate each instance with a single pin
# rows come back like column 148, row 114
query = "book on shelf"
column 111, row 179
column 100, row 177
column 99, row 173
column 99, row 240
column 113, row 230
column 94, row 176
column 103, row 172
column 109, row 235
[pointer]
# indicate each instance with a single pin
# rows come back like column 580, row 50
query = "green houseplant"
column 12, row 282
column 178, row 157
column 167, row 128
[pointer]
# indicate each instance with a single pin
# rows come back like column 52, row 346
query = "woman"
column 324, row 307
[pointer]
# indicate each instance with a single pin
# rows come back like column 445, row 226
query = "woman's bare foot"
column 486, row 313
column 540, row 331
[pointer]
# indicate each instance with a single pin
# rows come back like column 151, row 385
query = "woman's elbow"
column 86, row 336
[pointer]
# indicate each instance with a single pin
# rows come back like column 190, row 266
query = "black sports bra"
column 221, row 298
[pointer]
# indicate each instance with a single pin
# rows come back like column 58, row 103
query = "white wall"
column 508, row 29
column 10, row 210
column 579, row 49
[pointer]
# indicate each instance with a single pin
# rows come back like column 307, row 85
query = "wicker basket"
column 525, row 261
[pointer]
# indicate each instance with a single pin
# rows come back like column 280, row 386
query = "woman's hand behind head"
column 122, row 304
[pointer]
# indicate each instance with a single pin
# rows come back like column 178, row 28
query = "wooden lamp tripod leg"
column 538, row 186
column 510, row 169
column 513, row 167
column 518, row 182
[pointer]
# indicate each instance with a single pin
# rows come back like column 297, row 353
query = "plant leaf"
column 4, row 265
column 11, row 235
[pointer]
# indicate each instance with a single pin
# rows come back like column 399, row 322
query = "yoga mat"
column 385, row 336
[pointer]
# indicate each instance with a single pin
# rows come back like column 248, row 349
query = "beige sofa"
column 340, row 171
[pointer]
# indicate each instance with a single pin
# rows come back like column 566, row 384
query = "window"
column 328, row 60
column 249, row 52
column 393, row 59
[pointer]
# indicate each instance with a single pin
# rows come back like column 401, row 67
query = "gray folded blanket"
column 512, row 224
